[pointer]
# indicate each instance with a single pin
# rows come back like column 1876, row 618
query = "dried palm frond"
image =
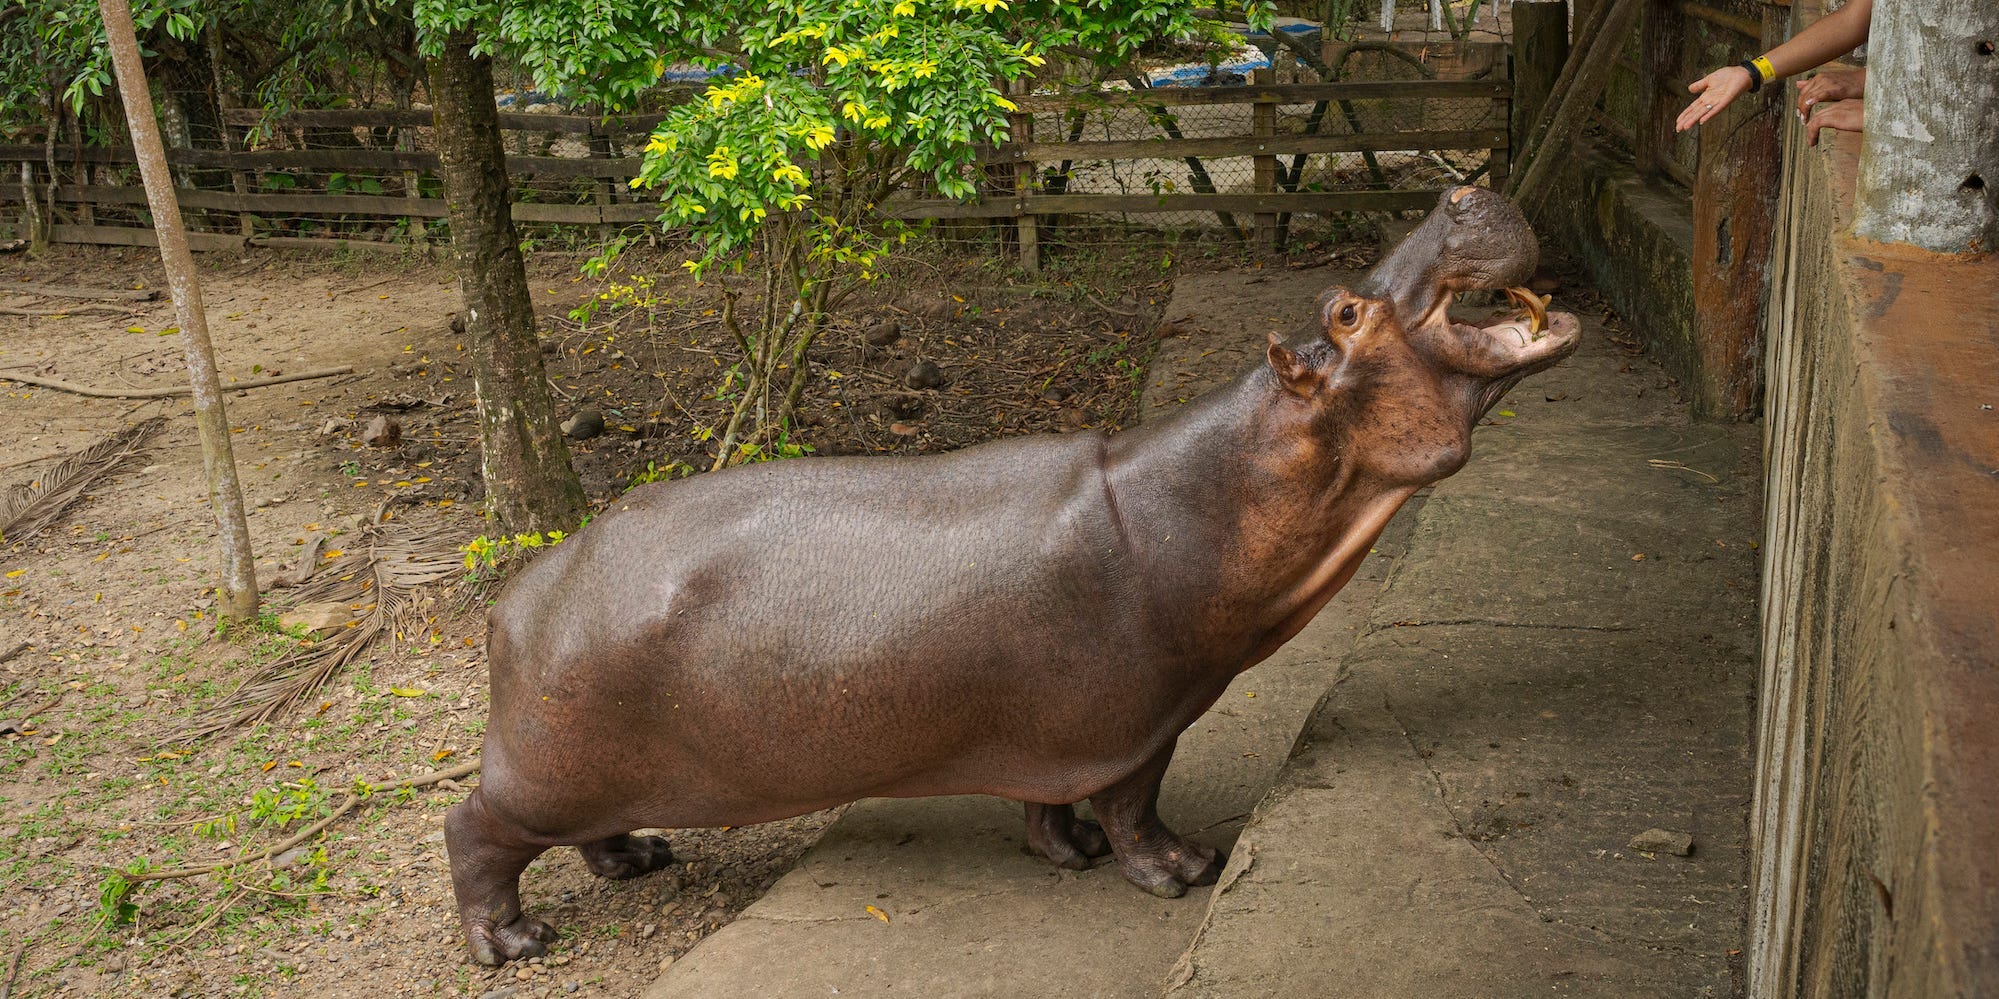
column 32, row 505
column 383, row 580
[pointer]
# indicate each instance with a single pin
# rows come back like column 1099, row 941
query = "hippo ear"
column 1292, row 372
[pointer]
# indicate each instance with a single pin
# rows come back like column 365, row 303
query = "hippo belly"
column 725, row 665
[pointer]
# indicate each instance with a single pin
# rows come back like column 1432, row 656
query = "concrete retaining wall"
column 1635, row 238
column 1877, row 820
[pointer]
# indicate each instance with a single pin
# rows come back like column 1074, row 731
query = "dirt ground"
column 107, row 644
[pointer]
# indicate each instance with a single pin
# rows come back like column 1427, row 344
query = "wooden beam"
column 1249, row 145
column 73, row 291
column 1284, row 93
column 111, row 235
column 1316, row 202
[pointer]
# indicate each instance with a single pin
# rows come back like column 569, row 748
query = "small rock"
column 646, row 931
column 503, row 992
column 263, row 501
column 721, row 898
column 336, row 425
column 383, row 431
column 666, row 962
column 902, row 430
column 458, row 326
column 924, row 375
column 1679, row 844
column 524, row 973
column 883, row 333
column 568, row 986
column 290, row 858
column 318, row 618
column 587, row 423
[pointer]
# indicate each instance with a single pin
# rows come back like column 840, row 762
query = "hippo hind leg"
column 487, row 857
column 1153, row 857
column 626, row 856
column 1054, row 832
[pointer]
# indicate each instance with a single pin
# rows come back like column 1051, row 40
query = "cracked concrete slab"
column 1561, row 659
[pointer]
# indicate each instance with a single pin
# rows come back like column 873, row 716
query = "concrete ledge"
column 1877, row 866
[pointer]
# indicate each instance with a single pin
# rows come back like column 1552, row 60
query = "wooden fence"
column 97, row 198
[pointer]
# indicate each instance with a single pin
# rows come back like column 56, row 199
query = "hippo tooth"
column 1536, row 306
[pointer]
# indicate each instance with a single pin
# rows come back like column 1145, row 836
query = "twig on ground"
column 346, row 805
column 209, row 920
column 1094, row 300
column 13, row 969
column 71, row 291
column 9, row 310
column 169, row 391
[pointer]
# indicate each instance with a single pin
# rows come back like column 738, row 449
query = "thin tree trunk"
column 530, row 485
column 236, row 596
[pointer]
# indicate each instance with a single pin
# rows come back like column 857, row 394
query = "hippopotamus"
column 1036, row 618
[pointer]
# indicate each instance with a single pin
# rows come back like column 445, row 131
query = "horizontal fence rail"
column 1200, row 153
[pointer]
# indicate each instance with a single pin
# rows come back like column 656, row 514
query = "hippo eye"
column 1347, row 315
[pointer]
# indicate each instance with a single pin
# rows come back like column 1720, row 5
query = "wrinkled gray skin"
column 1469, row 241
column 1035, row 618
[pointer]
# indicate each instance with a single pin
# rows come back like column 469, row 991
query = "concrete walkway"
column 1520, row 697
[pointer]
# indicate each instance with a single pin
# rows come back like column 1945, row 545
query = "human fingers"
column 1840, row 116
column 1716, row 90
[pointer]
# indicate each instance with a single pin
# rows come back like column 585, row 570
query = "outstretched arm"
column 1828, row 38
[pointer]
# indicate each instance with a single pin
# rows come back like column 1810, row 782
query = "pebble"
column 587, row 423
column 383, row 431
column 883, row 333
column 503, row 992
column 1679, row 844
column 924, row 375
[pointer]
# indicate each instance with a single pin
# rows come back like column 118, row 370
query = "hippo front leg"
column 1154, row 857
column 1054, row 832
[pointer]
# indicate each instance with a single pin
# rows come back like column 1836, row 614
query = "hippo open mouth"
column 1475, row 239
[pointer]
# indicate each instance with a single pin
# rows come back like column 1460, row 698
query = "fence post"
column 1500, row 161
column 416, row 226
column 1263, row 125
column 1540, row 47
column 1021, row 130
column 600, row 149
column 238, row 182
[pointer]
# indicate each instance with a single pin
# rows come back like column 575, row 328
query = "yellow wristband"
column 1763, row 66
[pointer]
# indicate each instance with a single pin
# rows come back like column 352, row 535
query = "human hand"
column 1717, row 90
column 1828, row 87
column 1845, row 116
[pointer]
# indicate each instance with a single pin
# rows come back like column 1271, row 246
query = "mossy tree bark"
column 530, row 485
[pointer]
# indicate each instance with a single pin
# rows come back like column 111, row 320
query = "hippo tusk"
column 1536, row 306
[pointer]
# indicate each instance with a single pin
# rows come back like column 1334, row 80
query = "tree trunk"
column 236, row 596
column 1929, row 162
column 530, row 485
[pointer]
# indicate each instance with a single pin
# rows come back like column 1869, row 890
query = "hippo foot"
column 1170, row 870
column 523, row 938
column 1055, row 833
column 622, row 856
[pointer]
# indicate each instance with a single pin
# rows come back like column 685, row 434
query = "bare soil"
column 107, row 640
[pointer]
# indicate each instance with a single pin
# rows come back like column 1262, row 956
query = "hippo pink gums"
column 1036, row 618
